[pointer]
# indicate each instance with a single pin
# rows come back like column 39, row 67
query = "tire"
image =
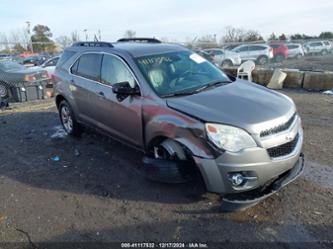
column 4, row 91
column 170, row 150
column 68, row 120
column 279, row 57
column 262, row 60
column 324, row 52
column 226, row 63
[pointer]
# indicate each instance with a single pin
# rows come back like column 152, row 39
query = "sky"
column 176, row 20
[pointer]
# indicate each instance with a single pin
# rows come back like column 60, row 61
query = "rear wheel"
column 324, row 52
column 262, row 60
column 68, row 121
column 279, row 57
column 226, row 63
column 4, row 92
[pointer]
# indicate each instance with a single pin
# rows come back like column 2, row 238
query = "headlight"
column 229, row 138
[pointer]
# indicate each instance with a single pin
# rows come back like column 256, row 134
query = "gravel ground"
column 309, row 63
column 96, row 193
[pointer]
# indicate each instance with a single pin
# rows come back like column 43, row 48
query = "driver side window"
column 115, row 71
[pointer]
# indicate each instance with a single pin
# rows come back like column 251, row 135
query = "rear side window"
column 292, row 46
column 242, row 49
column 256, row 48
column 275, row 45
column 89, row 66
column 66, row 55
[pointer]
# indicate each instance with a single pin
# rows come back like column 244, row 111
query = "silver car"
column 260, row 53
column 295, row 50
column 316, row 47
column 224, row 58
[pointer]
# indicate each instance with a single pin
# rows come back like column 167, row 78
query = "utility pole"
column 99, row 35
column 86, row 34
column 29, row 35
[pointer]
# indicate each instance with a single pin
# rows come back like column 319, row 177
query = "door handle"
column 101, row 94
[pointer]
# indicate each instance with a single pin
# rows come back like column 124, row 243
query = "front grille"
column 284, row 149
column 278, row 128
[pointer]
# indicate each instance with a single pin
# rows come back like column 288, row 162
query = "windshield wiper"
column 178, row 94
column 213, row 83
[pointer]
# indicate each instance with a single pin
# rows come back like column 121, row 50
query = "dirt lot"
column 97, row 193
column 309, row 63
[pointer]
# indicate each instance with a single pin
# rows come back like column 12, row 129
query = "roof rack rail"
column 140, row 39
column 92, row 44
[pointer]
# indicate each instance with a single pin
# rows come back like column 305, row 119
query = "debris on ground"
column 55, row 158
column 330, row 92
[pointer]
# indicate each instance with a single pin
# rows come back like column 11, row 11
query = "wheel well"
column 59, row 98
column 159, row 139
column 227, row 60
column 155, row 141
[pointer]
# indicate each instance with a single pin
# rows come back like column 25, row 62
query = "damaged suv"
column 185, row 114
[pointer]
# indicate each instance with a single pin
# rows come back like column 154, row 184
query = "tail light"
column 29, row 78
column 45, row 74
column 53, row 77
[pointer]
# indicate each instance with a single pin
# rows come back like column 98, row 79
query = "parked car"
column 35, row 60
column 13, row 75
column 224, row 58
column 295, row 50
column 329, row 46
column 280, row 51
column 185, row 114
column 260, row 53
column 316, row 47
column 204, row 54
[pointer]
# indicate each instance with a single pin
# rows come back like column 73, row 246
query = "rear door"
column 85, row 72
column 121, row 117
column 243, row 52
column 255, row 51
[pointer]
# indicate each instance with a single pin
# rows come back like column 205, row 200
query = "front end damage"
column 241, row 201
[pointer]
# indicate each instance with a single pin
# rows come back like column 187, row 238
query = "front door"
column 120, row 117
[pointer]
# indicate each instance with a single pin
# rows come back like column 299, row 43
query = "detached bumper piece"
column 166, row 171
column 241, row 201
column 22, row 92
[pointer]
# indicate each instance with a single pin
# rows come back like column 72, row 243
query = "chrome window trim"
column 103, row 53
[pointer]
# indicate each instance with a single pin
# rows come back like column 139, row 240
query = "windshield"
column 10, row 66
column 179, row 72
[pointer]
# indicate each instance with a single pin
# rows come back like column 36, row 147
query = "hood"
column 241, row 104
column 29, row 70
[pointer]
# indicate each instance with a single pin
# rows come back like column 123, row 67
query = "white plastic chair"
column 245, row 70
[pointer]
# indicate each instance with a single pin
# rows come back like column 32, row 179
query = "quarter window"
column 115, row 71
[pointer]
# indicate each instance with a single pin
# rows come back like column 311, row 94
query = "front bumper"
column 233, row 203
column 256, row 165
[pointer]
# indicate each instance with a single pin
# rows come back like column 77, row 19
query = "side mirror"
column 124, row 88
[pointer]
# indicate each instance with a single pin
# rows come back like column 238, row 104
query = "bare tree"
column 4, row 42
column 75, row 37
column 64, row 41
column 206, row 41
column 252, row 35
column 129, row 34
column 233, row 34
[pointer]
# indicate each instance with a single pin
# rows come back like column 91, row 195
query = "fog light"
column 237, row 179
